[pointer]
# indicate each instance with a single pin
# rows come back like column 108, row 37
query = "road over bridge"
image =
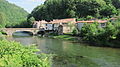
column 10, row 31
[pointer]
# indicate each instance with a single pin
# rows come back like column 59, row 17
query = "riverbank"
column 113, row 44
column 68, row 37
column 15, row 54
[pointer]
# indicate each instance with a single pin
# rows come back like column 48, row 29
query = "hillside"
column 58, row 9
column 13, row 14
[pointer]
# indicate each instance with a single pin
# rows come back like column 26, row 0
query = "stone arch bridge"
column 10, row 31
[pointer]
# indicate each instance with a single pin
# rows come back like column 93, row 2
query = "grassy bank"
column 68, row 37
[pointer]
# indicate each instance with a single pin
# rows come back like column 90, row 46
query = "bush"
column 117, row 25
column 2, row 32
column 75, row 31
column 89, row 32
column 13, row 54
column 89, row 17
column 101, row 36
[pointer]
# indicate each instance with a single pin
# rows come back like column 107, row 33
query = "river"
column 73, row 54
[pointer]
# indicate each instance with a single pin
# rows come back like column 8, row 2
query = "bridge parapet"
column 10, row 31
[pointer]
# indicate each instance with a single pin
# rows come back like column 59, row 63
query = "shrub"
column 89, row 17
column 2, row 32
column 75, row 31
column 13, row 54
column 117, row 25
column 90, row 31
column 100, row 36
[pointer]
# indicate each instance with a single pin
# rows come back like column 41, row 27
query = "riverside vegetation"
column 107, row 36
column 13, row 54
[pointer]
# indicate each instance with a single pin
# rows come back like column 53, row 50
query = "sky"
column 28, row 5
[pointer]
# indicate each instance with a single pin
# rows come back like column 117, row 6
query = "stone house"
column 102, row 23
column 56, row 24
column 64, row 25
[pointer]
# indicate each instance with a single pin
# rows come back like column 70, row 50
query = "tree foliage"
column 90, row 31
column 59, row 9
column 101, row 36
column 116, row 3
column 2, row 20
column 14, row 15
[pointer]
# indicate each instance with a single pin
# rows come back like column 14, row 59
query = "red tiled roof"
column 62, row 20
column 56, row 21
column 92, row 21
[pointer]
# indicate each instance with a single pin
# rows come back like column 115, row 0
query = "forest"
column 12, row 15
column 59, row 9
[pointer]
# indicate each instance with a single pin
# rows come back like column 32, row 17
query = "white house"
column 54, row 25
column 102, row 23
column 64, row 24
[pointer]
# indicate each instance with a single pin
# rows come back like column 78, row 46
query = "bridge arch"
column 26, row 32
column 10, row 31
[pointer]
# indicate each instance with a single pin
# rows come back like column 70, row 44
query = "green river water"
column 73, row 54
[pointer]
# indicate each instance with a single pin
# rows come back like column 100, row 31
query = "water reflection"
column 22, row 33
column 74, row 54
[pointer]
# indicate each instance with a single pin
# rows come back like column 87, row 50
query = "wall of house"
column 56, row 26
column 66, row 29
column 49, row 26
column 102, row 24
column 79, row 25
column 42, row 26
column 36, row 24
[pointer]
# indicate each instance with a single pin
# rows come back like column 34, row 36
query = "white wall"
column 49, row 26
column 80, row 25
column 56, row 26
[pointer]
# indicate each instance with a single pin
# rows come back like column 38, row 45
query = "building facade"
column 55, row 24
column 102, row 23
column 65, row 25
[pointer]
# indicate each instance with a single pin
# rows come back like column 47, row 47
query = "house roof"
column 62, row 20
column 92, row 21
column 57, row 21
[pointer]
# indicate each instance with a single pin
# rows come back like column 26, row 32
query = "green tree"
column 108, row 33
column 108, row 10
column 14, row 15
column 2, row 20
column 117, row 25
column 59, row 9
column 116, row 3
column 108, row 1
column 89, row 32
column 102, row 36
